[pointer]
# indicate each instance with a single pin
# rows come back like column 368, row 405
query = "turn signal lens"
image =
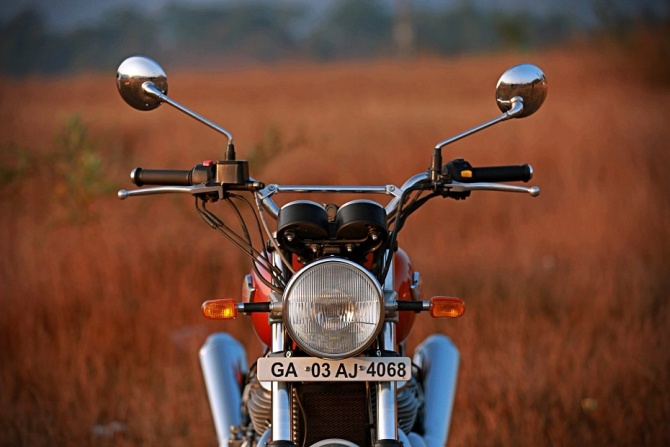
column 446, row 307
column 220, row 309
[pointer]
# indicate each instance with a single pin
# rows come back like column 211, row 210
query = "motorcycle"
column 330, row 294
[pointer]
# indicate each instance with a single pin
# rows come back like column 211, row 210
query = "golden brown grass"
column 565, row 341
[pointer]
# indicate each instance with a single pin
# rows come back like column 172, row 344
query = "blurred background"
column 566, row 340
column 50, row 37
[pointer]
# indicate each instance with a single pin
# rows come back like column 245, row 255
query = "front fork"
column 386, row 405
column 387, row 411
column 281, row 394
column 387, row 420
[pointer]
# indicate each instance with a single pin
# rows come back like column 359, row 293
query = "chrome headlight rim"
column 303, row 344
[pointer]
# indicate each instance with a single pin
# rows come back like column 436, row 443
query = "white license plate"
column 356, row 369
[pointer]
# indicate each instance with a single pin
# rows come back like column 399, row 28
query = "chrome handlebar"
column 264, row 195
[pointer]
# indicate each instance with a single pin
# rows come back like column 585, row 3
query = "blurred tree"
column 512, row 29
column 459, row 30
column 255, row 31
column 403, row 28
column 265, row 31
column 21, row 41
column 123, row 33
column 354, row 29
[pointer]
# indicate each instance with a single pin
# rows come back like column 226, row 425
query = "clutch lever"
column 193, row 190
column 455, row 186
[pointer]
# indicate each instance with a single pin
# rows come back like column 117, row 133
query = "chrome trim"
column 131, row 76
column 387, row 411
column 195, row 189
column 462, row 187
column 387, row 425
column 334, row 442
column 265, row 203
column 386, row 189
column 264, row 195
column 223, row 360
column 281, row 393
column 516, row 108
column 249, row 289
column 389, row 283
column 390, row 295
column 260, row 205
column 413, row 181
column 415, row 287
column 438, row 359
column 355, row 201
column 263, row 440
column 526, row 82
column 150, row 89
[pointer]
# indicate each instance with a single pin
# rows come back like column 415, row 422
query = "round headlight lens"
column 333, row 308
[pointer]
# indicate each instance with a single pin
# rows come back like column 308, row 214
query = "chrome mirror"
column 525, row 83
column 142, row 83
column 134, row 79
column 520, row 92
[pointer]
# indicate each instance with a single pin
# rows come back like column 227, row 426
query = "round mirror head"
column 526, row 81
column 131, row 76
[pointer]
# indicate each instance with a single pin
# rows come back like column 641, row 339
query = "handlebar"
column 215, row 178
column 178, row 177
column 461, row 171
column 172, row 177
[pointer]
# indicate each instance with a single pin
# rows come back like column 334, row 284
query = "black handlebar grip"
column 461, row 171
column 518, row 173
column 179, row 177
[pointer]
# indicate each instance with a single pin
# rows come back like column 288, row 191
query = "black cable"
column 274, row 272
column 393, row 235
column 223, row 229
column 264, row 253
column 249, row 249
column 399, row 221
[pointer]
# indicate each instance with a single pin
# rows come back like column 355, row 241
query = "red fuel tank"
column 402, row 273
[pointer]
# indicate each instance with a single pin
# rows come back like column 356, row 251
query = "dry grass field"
column 566, row 340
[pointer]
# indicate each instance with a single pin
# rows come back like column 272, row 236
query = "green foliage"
column 14, row 162
column 78, row 170
column 271, row 145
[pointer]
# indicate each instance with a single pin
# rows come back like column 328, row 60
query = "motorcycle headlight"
column 333, row 308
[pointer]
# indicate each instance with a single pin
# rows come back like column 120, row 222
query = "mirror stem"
column 515, row 109
column 150, row 89
column 230, row 152
column 436, row 164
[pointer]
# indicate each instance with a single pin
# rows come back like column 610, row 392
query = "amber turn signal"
column 224, row 309
column 446, row 307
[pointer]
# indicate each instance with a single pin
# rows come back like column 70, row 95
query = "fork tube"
column 281, row 394
column 387, row 426
column 387, row 411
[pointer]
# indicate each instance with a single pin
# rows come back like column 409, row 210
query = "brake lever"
column 466, row 187
column 193, row 190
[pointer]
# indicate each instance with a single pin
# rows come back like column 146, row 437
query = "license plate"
column 356, row 369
